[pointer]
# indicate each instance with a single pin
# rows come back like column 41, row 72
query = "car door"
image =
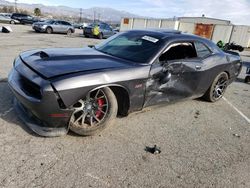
column 102, row 27
column 109, row 31
column 28, row 19
column 56, row 27
column 65, row 26
column 174, row 75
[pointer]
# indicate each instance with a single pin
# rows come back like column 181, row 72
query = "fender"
column 72, row 88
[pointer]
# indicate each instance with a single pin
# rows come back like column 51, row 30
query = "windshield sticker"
column 150, row 39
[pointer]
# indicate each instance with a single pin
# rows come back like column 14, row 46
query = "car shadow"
column 7, row 112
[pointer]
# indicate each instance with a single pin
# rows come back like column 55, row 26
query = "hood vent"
column 43, row 55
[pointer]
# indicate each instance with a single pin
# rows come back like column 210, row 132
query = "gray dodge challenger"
column 84, row 89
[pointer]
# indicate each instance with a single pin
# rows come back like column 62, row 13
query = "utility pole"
column 99, row 17
column 16, row 5
column 94, row 16
column 80, row 19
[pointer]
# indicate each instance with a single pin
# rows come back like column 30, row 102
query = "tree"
column 37, row 11
column 11, row 9
column 5, row 9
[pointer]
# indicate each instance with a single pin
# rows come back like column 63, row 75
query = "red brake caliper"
column 100, row 105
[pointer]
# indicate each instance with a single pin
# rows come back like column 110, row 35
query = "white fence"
column 226, row 33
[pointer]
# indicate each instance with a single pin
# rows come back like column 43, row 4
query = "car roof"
column 175, row 35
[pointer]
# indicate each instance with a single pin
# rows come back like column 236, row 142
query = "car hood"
column 40, row 23
column 61, row 61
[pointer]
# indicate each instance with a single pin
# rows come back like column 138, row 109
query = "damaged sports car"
column 84, row 89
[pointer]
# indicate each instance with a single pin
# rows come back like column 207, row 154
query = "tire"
column 69, row 32
column 12, row 22
column 49, row 30
column 99, row 109
column 247, row 79
column 100, row 36
column 216, row 91
column 241, row 49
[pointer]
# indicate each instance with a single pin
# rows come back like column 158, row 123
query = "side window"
column 108, row 28
column 184, row 50
column 65, row 23
column 102, row 26
column 202, row 50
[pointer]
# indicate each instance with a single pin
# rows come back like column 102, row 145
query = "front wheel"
column 217, row 89
column 100, row 36
column 49, row 30
column 93, row 113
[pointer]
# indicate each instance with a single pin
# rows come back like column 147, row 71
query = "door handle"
column 197, row 67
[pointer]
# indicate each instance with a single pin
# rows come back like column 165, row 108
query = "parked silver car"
column 8, row 20
column 54, row 26
column 103, row 30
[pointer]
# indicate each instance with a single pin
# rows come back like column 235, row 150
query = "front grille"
column 29, row 88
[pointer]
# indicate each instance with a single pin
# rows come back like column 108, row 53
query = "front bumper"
column 35, row 124
column 41, row 114
column 40, row 29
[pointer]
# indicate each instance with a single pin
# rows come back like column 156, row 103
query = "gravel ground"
column 202, row 144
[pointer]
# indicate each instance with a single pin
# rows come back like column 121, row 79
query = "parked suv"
column 99, row 30
column 24, row 18
column 53, row 26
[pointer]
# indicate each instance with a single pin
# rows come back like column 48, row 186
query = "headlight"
column 43, row 26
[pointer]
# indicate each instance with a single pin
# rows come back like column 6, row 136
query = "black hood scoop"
column 43, row 55
column 55, row 62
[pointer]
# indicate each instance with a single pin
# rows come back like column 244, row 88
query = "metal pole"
column 16, row 5
column 80, row 19
column 94, row 15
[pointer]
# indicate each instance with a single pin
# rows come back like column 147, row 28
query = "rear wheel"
column 100, row 36
column 49, row 30
column 218, row 88
column 69, row 32
column 93, row 113
column 247, row 79
column 12, row 22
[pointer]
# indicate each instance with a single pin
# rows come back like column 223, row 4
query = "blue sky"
column 238, row 11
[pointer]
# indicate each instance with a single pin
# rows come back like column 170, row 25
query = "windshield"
column 49, row 21
column 94, row 24
column 132, row 46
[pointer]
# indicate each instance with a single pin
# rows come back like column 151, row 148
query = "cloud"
column 236, row 11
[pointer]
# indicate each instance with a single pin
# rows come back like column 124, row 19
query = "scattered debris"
column 6, row 29
column 236, row 135
column 153, row 150
column 197, row 113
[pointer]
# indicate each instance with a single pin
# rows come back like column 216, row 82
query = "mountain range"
column 105, row 14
